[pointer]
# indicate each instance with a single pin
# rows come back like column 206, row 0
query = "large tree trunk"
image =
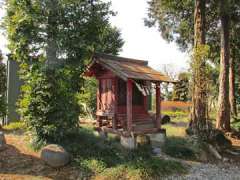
column 51, row 49
column 232, row 97
column 223, row 114
column 199, row 98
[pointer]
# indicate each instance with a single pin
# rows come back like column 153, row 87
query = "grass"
column 176, row 113
column 177, row 126
column 14, row 126
column 106, row 159
column 177, row 144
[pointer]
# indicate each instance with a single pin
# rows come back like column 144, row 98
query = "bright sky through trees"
column 140, row 42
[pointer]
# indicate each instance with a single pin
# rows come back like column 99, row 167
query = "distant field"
column 175, row 105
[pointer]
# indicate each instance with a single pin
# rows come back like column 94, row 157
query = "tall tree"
column 175, row 22
column 3, row 88
column 223, row 114
column 53, row 41
column 199, row 94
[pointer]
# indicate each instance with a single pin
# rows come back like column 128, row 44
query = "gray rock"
column 55, row 155
column 157, row 151
column 2, row 141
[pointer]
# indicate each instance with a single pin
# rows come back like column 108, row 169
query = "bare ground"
column 19, row 162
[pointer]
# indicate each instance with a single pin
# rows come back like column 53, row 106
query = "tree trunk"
column 232, row 97
column 223, row 114
column 51, row 49
column 199, row 98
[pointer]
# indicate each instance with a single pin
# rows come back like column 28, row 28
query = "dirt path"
column 18, row 162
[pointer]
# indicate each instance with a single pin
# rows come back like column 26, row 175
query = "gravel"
column 200, row 171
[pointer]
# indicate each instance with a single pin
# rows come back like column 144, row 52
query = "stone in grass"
column 142, row 140
column 55, row 155
column 2, row 141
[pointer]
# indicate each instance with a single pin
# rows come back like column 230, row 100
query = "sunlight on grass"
column 14, row 126
column 175, row 131
column 177, row 126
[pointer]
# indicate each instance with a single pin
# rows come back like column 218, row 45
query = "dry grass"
column 175, row 105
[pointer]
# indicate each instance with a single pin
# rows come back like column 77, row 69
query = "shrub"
column 48, row 105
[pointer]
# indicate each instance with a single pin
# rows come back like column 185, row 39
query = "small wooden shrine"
column 124, row 88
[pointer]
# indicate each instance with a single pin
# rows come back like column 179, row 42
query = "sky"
column 141, row 42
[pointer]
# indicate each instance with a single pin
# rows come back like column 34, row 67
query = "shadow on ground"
column 15, row 164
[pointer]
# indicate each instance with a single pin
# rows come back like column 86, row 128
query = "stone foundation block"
column 158, row 139
column 128, row 142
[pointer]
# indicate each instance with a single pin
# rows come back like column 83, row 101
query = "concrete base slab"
column 128, row 142
column 157, row 139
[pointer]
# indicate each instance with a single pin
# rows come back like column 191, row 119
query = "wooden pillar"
column 158, row 106
column 99, row 120
column 129, row 105
column 114, row 95
column 145, row 100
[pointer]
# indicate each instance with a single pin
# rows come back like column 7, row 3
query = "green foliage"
column 53, row 41
column 14, row 126
column 176, row 113
column 88, row 96
column 174, row 20
column 107, row 159
column 49, row 106
column 236, row 123
column 181, row 88
column 3, row 88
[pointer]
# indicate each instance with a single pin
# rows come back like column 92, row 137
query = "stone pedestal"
column 128, row 142
column 157, row 139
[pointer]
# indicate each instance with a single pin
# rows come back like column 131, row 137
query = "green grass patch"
column 176, row 113
column 174, row 130
column 145, row 169
column 107, row 159
column 179, row 148
column 14, row 126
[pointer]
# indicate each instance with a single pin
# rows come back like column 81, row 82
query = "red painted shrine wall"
column 112, row 98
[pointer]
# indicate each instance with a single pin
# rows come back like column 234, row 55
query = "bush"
column 48, row 105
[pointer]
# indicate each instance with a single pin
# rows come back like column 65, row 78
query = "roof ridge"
column 119, row 58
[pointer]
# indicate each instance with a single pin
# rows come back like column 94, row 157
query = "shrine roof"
column 127, row 68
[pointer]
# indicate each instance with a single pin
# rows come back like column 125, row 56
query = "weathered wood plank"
column 129, row 105
column 158, row 104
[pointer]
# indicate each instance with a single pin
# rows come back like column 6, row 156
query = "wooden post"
column 99, row 120
column 158, row 106
column 145, row 100
column 129, row 105
column 114, row 95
